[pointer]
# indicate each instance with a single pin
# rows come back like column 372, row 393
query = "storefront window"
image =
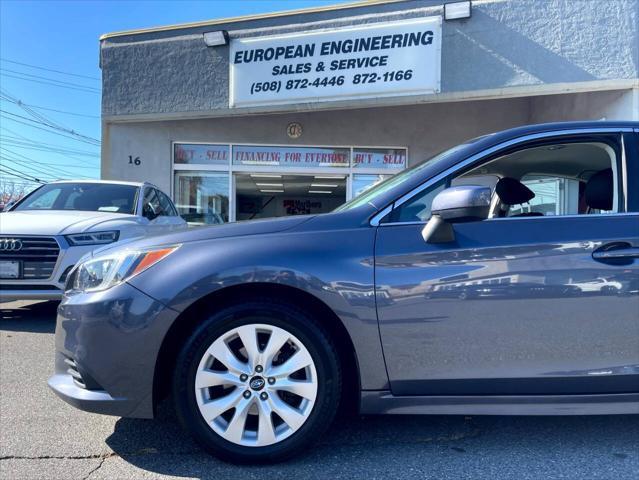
column 361, row 183
column 379, row 158
column 201, row 154
column 217, row 183
column 294, row 157
column 202, row 197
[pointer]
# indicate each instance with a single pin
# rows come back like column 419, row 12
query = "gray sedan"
column 500, row 277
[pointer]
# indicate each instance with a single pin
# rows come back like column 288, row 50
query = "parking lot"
column 42, row 437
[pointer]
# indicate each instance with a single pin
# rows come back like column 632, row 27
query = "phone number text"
column 303, row 83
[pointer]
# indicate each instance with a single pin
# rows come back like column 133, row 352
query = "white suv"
column 45, row 234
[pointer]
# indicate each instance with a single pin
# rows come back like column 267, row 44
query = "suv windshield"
column 92, row 197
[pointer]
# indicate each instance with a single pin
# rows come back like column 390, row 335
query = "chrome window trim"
column 376, row 219
column 499, row 219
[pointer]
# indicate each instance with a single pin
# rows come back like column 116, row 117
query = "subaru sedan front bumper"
column 107, row 344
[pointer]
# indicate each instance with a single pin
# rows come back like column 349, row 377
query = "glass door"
column 264, row 195
column 202, row 197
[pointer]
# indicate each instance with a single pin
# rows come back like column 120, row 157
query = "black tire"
column 296, row 321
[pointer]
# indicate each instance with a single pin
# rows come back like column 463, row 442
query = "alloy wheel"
column 256, row 385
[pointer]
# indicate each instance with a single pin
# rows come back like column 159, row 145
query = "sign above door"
column 379, row 60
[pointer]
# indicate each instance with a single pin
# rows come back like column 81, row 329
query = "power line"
column 2, row 127
column 42, row 118
column 64, row 112
column 45, row 147
column 49, row 79
column 66, row 155
column 73, row 136
column 43, row 167
column 48, row 69
column 47, row 150
column 11, row 172
column 85, row 89
column 39, row 174
column 20, row 174
column 50, row 169
column 56, row 165
column 21, row 138
column 31, row 170
column 44, row 129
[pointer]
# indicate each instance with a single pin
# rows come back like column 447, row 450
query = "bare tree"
column 12, row 190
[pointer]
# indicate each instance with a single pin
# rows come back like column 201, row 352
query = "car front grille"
column 38, row 255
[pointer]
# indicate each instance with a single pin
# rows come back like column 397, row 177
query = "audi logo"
column 10, row 244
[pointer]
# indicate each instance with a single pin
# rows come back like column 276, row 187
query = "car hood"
column 56, row 222
column 239, row 229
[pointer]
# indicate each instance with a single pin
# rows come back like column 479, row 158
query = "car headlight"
column 93, row 238
column 104, row 272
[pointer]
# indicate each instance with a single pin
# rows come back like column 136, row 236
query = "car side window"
column 151, row 207
column 574, row 178
column 554, row 178
column 167, row 205
column 418, row 208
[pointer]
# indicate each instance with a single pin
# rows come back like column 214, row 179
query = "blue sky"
column 63, row 36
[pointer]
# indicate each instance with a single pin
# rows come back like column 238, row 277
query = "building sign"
column 379, row 158
column 300, row 157
column 285, row 156
column 201, row 154
column 379, row 60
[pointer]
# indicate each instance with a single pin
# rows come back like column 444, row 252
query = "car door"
column 499, row 310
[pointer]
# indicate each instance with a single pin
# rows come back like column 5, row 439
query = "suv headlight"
column 104, row 272
column 93, row 238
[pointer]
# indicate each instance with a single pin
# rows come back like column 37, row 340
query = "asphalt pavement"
column 42, row 437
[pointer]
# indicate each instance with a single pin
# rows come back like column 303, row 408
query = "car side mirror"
column 466, row 203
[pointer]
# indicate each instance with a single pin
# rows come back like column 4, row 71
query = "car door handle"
column 629, row 252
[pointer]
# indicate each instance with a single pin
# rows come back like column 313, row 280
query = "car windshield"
column 381, row 188
column 91, row 197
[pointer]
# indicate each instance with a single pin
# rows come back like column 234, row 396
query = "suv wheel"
column 257, row 382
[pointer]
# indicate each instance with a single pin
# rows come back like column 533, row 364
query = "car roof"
column 559, row 126
column 105, row 182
